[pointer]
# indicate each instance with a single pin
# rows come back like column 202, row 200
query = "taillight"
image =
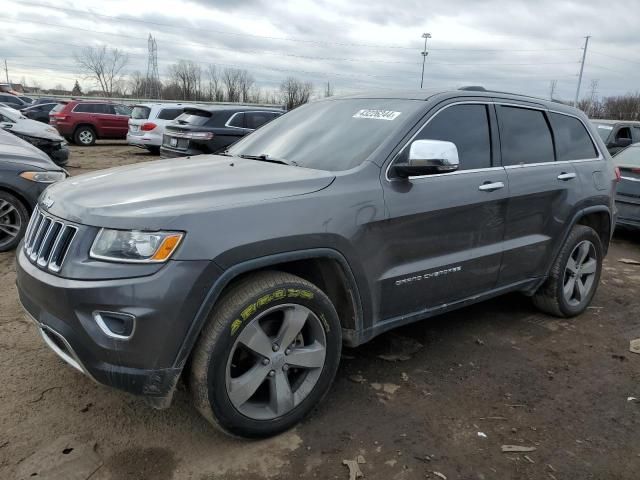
column 58, row 116
column 636, row 170
column 147, row 127
column 618, row 174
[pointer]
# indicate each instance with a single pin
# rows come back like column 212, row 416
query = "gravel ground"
column 498, row 373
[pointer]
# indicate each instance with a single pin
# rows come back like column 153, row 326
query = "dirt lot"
column 493, row 374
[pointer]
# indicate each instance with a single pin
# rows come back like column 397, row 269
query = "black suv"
column 211, row 129
column 617, row 134
column 344, row 218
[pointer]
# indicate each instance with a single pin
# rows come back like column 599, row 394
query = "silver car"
column 147, row 122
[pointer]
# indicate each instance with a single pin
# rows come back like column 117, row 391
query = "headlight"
column 44, row 177
column 134, row 246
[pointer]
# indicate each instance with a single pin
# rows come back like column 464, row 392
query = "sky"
column 509, row 45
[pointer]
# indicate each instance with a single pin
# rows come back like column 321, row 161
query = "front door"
column 443, row 240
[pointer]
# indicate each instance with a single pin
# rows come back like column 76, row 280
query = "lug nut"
column 272, row 373
column 285, row 367
column 275, row 347
column 265, row 361
column 287, row 351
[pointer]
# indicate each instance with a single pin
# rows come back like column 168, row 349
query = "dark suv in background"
column 344, row 218
column 617, row 134
column 84, row 122
column 211, row 129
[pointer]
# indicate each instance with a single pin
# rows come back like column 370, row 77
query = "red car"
column 83, row 122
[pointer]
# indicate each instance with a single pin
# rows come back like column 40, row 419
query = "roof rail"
column 474, row 88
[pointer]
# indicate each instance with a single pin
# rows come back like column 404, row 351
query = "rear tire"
column 14, row 218
column 265, row 389
column 575, row 275
column 153, row 150
column 84, row 136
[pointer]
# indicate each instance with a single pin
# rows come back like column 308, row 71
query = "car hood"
column 164, row 193
column 33, row 128
column 16, row 150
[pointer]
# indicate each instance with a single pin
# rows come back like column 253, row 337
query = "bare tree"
column 328, row 92
column 552, row 88
column 294, row 92
column 214, row 84
column 231, row 79
column 246, row 84
column 103, row 65
column 187, row 76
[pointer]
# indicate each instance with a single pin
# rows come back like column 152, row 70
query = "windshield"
column 603, row 130
column 329, row 135
column 629, row 157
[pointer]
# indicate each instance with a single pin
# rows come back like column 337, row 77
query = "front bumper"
column 164, row 305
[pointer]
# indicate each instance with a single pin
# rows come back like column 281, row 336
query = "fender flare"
column 574, row 221
column 233, row 272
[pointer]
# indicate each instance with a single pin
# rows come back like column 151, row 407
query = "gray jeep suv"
column 244, row 273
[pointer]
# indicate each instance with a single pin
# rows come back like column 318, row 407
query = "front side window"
column 467, row 127
column 572, row 140
column 524, row 136
column 255, row 120
column 236, row 120
column 623, row 133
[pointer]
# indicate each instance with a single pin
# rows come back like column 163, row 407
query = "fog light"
column 116, row 325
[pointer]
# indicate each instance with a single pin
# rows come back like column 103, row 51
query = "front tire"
column 267, row 355
column 14, row 218
column 84, row 136
column 575, row 275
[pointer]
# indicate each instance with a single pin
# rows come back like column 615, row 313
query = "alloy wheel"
column 86, row 137
column 580, row 273
column 10, row 222
column 276, row 361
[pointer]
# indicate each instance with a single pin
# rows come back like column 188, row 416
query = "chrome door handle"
column 490, row 187
column 566, row 176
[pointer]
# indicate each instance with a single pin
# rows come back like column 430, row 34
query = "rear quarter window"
column 572, row 139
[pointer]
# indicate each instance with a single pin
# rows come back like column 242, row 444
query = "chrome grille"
column 47, row 240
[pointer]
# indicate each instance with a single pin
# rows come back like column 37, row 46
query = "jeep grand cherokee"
column 338, row 221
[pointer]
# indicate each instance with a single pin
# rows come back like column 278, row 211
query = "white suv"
column 147, row 122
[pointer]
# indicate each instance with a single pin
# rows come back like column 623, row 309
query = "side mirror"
column 622, row 142
column 428, row 157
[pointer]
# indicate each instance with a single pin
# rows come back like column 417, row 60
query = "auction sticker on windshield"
column 377, row 114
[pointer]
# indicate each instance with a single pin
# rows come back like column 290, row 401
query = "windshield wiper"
column 265, row 157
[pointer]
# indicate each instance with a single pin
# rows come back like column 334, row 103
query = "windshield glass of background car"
column 629, row 157
column 603, row 130
column 329, row 135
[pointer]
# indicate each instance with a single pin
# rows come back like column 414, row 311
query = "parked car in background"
column 40, row 100
column 84, row 122
column 147, row 123
column 617, row 134
column 25, row 99
column 628, row 192
column 334, row 223
column 25, row 172
column 39, row 112
column 212, row 128
column 45, row 137
column 13, row 101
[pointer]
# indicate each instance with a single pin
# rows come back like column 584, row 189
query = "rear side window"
column 572, row 140
column 10, row 99
column 92, row 108
column 140, row 112
column 236, row 120
column 466, row 126
column 255, row 120
column 524, row 136
column 169, row 113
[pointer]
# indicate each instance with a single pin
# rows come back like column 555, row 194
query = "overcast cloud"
column 508, row 45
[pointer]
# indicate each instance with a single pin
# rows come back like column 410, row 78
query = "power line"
column 614, row 57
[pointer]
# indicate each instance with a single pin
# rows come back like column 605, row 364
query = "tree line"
column 618, row 107
column 186, row 80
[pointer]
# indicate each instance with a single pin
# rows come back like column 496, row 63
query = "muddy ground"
column 498, row 373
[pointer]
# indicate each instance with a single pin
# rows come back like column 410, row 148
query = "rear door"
column 442, row 242
column 543, row 192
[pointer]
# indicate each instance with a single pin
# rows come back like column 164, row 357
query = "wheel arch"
column 85, row 124
column 19, row 196
column 326, row 268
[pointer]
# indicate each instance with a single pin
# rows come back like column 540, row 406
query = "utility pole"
column 6, row 70
column 426, row 36
column 552, row 88
column 584, row 55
